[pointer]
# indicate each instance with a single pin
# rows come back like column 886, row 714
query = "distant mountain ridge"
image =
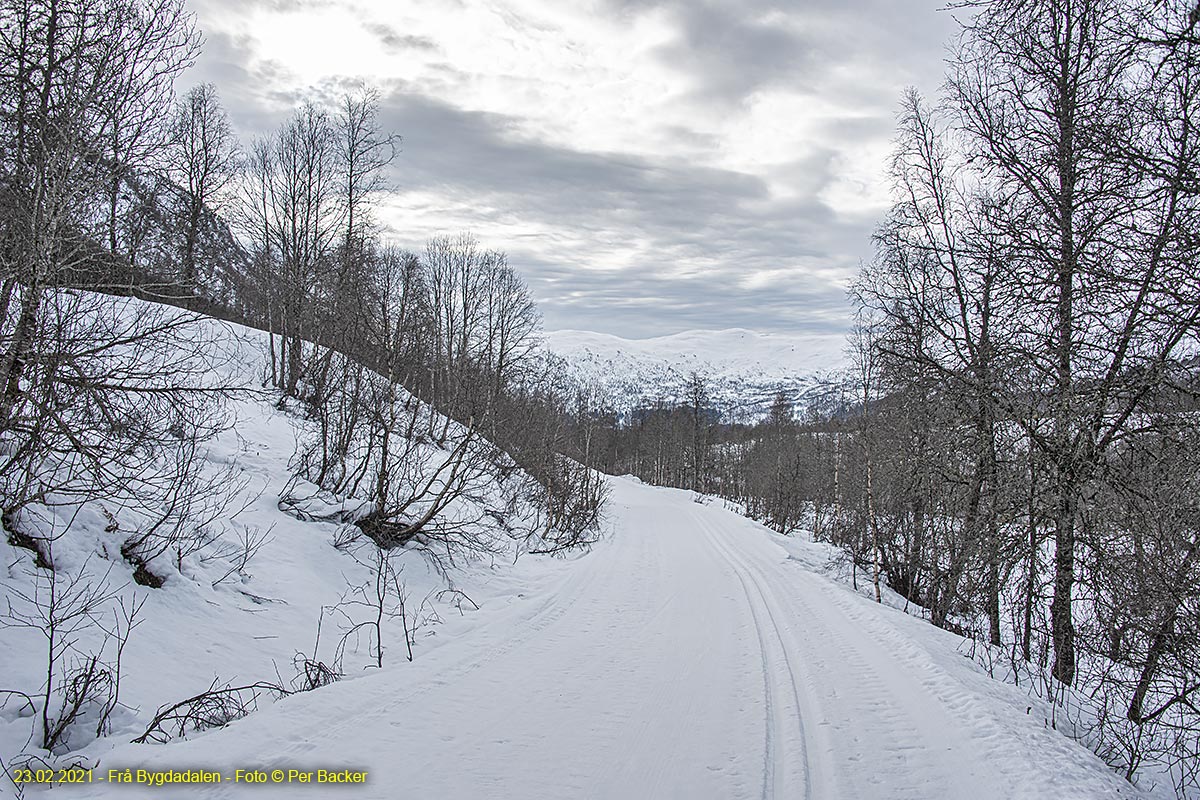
column 744, row 369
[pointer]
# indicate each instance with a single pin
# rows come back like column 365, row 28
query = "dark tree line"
column 86, row 408
column 361, row 331
column 1019, row 451
column 1027, row 353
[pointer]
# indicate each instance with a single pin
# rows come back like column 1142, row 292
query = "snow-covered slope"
column 744, row 369
column 220, row 618
column 693, row 654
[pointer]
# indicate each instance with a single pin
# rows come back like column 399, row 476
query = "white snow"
column 691, row 654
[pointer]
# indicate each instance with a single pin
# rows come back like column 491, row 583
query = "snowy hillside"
column 745, row 369
column 273, row 588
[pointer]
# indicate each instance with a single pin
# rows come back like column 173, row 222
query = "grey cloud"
column 708, row 247
column 733, row 55
column 485, row 151
column 397, row 42
column 698, row 234
column 735, row 47
column 857, row 129
column 687, row 137
column 643, row 303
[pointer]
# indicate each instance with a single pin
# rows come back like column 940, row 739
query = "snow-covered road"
column 690, row 655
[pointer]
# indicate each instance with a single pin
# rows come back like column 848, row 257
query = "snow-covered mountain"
column 744, row 369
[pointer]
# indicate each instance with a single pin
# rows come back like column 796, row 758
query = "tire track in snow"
column 891, row 721
column 780, row 766
column 984, row 726
column 859, row 681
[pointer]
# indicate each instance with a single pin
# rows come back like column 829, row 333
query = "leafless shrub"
column 123, row 421
column 82, row 679
column 568, row 501
column 347, row 536
column 215, row 707
column 193, row 503
column 88, row 684
column 458, row 596
column 125, row 617
column 383, row 598
column 311, row 674
column 250, row 539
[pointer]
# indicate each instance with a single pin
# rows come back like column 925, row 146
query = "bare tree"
column 385, row 598
column 1052, row 98
column 293, row 203
column 364, row 152
column 204, row 162
column 152, row 42
column 70, row 70
column 83, row 649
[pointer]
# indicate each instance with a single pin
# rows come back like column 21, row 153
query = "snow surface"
column 691, row 654
column 745, row 368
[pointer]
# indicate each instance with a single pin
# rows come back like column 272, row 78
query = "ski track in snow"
column 687, row 656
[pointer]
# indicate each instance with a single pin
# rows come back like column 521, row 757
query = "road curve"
column 687, row 656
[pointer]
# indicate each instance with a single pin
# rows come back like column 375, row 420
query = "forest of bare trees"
column 1030, row 322
column 359, row 326
column 111, row 183
column 1014, row 445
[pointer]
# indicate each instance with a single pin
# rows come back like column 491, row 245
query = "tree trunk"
column 1062, row 626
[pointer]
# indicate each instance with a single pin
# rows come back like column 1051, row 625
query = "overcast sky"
column 650, row 166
